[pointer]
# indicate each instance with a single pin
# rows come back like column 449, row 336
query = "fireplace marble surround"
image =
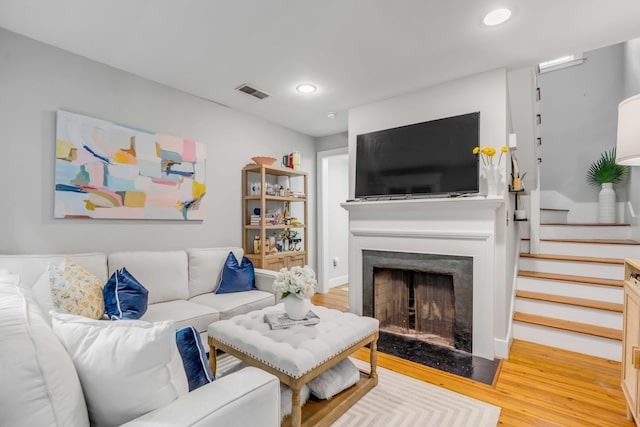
column 465, row 226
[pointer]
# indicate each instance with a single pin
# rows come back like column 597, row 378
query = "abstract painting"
column 112, row 171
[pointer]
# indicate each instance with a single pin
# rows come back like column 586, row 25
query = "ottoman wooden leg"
column 296, row 410
column 212, row 357
column 373, row 360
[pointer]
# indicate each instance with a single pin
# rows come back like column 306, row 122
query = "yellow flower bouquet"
column 487, row 153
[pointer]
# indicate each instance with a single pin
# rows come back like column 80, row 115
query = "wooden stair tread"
column 573, row 258
column 571, row 278
column 566, row 325
column 585, row 224
column 592, row 241
column 580, row 302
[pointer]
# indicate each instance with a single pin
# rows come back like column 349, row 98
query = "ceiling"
column 355, row 51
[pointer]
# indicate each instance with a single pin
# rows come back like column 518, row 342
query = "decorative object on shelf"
column 264, row 160
column 256, row 245
column 296, row 160
column 296, row 286
column 106, row 170
column 491, row 172
column 604, row 173
column 291, row 160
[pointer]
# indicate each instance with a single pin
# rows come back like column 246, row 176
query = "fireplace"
column 464, row 228
column 425, row 297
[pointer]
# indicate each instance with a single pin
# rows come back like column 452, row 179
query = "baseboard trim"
column 338, row 281
column 501, row 347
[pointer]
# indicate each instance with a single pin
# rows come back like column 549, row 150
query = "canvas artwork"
column 109, row 170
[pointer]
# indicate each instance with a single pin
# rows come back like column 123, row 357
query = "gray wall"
column 36, row 80
column 330, row 142
column 579, row 107
column 631, row 88
column 632, row 67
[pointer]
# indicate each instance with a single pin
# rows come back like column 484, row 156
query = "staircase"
column 570, row 295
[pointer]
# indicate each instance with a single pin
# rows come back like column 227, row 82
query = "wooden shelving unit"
column 293, row 251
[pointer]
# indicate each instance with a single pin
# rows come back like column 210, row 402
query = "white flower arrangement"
column 298, row 281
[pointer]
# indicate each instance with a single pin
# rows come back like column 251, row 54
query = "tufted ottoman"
column 300, row 353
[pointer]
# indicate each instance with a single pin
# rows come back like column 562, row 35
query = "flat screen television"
column 433, row 158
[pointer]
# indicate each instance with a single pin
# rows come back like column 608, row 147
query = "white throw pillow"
column 38, row 382
column 338, row 378
column 42, row 292
column 127, row 367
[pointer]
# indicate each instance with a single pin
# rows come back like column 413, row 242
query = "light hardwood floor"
column 536, row 386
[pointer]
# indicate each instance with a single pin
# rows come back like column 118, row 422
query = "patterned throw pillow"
column 76, row 291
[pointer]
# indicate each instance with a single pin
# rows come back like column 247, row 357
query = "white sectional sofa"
column 35, row 370
column 40, row 387
column 180, row 283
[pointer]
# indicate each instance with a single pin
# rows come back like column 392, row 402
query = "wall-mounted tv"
column 422, row 159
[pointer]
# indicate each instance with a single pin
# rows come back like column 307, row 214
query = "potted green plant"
column 604, row 173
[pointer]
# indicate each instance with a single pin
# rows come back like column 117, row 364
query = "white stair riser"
column 553, row 217
column 596, row 250
column 585, row 232
column 592, row 316
column 572, row 341
column 589, row 269
column 584, row 249
column 572, row 289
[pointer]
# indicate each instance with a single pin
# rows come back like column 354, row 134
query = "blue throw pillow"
column 194, row 358
column 237, row 278
column 124, row 296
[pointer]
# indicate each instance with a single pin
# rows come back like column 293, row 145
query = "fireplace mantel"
column 463, row 226
column 472, row 202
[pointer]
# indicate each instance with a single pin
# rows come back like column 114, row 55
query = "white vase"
column 607, row 204
column 492, row 176
column 296, row 308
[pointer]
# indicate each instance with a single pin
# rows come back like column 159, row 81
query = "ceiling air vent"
column 253, row 91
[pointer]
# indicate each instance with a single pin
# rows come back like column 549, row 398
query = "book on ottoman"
column 280, row 320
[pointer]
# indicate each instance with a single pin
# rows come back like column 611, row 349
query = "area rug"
column 401, row 401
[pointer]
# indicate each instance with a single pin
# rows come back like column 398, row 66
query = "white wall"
column 338, row 221
column 36, row 80
column 485, row 92
column 579, row 108
column 521, row 107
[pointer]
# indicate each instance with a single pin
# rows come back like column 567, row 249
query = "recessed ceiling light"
column 306, row 88
column 497, row 17
column 331, row 115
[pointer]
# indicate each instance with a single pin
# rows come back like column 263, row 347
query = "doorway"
column 333, row 220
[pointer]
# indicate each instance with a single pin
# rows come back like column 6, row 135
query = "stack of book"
column 298, row 194
column 269, row 219
column 280, row 320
